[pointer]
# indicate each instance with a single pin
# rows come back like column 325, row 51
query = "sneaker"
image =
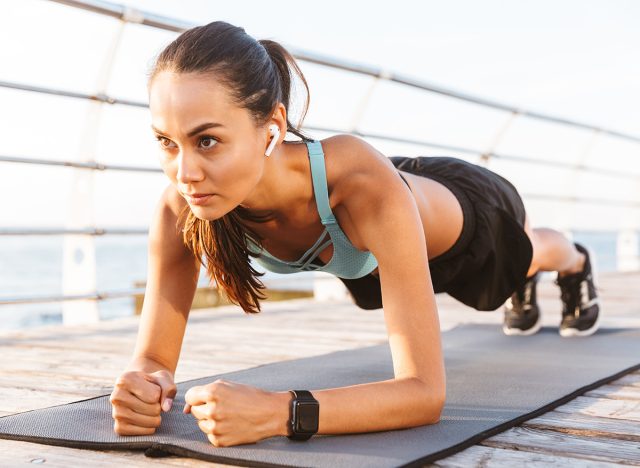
column 580, row 303
column 521, row 312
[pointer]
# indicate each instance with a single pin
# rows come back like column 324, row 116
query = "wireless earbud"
column 274, row 130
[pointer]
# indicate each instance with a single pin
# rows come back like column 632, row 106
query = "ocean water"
column 32, row 266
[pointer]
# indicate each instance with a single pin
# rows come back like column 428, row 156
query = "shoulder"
column 352, row 151
column 356, row 168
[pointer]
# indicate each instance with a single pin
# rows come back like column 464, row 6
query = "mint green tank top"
column 347, row 261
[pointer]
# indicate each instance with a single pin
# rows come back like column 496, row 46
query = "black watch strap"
column 304, row 413
column 303, row 395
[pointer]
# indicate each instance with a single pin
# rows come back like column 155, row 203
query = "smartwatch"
column 304, row 413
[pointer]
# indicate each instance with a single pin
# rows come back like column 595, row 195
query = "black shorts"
column 490, row 259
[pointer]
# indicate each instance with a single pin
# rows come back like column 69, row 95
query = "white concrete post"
column 327, row 287
column 79, row 253
column 628, row 250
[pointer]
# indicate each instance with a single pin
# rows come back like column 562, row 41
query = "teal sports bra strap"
column 319, row 177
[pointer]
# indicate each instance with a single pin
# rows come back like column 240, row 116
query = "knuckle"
column 124, row 379
column 119, row 428
column 117, row 412
column 215, row 387
column 217, row 413
column 155, row 393
column 219, row 382
column 215, row 440
column 115, row 398
column 215, row 429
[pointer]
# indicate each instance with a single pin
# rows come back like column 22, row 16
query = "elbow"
column 435, row 407
column 434, row 398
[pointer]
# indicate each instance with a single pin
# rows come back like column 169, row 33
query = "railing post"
column 497, row 138
column 79, row 254
column 364, row 102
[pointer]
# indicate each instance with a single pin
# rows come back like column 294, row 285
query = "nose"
column 188, row 170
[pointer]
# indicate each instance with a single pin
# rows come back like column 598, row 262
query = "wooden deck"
column 53, row 365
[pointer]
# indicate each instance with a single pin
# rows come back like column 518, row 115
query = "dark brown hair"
column 258, row 75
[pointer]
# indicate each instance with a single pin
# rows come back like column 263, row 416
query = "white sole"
column 518, row 332
column 572, row 332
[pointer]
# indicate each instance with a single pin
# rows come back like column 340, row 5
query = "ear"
column 274, row 134
column 277, row 127
column 279, row 118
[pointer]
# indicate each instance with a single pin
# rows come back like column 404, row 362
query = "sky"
column 573, row 59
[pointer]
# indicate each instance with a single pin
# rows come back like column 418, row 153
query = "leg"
column 552, row 251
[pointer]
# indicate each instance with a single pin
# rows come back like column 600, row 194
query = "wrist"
column 145, row 364
column 280, row 416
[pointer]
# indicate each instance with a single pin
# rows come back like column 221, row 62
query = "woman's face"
column 206, row 144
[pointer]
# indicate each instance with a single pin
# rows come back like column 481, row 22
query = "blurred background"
column 544, row 93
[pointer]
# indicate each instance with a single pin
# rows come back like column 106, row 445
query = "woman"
column 395, row 230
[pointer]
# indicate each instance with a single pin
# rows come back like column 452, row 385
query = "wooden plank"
column 490, row 457
column 566, row 445
column 616, row 392
column 603, row 407
column 629, row 380
column 53, row 381
column 586, row 426
column 16, row 453
column 17, row 400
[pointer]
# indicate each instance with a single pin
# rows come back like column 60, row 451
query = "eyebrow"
column 196, row 130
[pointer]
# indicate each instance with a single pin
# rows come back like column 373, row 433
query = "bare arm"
column 389, row 224
column 171, row 284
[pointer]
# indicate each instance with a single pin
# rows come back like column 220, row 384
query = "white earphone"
column 274, row 130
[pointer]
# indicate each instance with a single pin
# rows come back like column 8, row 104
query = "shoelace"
column 575, row 294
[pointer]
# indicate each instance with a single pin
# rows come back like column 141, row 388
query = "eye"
column 162, row 140
column 210, row 140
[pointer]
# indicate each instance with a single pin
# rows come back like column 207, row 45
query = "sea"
column 32, row 266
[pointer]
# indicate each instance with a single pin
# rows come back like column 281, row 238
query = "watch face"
column 306, row 415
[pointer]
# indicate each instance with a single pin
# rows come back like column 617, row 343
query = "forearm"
column 377, row 406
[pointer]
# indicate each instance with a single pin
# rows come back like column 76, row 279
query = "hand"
column 232, row 413
column 137, row 398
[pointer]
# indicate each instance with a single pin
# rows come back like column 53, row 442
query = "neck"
column 272, row 196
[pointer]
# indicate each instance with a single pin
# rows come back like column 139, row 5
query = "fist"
column 138, row 399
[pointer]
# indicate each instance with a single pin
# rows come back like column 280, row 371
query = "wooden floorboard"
column 54, row 365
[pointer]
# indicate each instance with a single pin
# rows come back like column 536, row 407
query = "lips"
column 198, row 198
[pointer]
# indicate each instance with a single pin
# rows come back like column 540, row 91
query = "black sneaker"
column 521, row 312
column 580, row 303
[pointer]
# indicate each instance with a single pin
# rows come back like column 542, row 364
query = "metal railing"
column 130, row 15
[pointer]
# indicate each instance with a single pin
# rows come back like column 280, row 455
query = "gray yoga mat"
column 493, row 382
